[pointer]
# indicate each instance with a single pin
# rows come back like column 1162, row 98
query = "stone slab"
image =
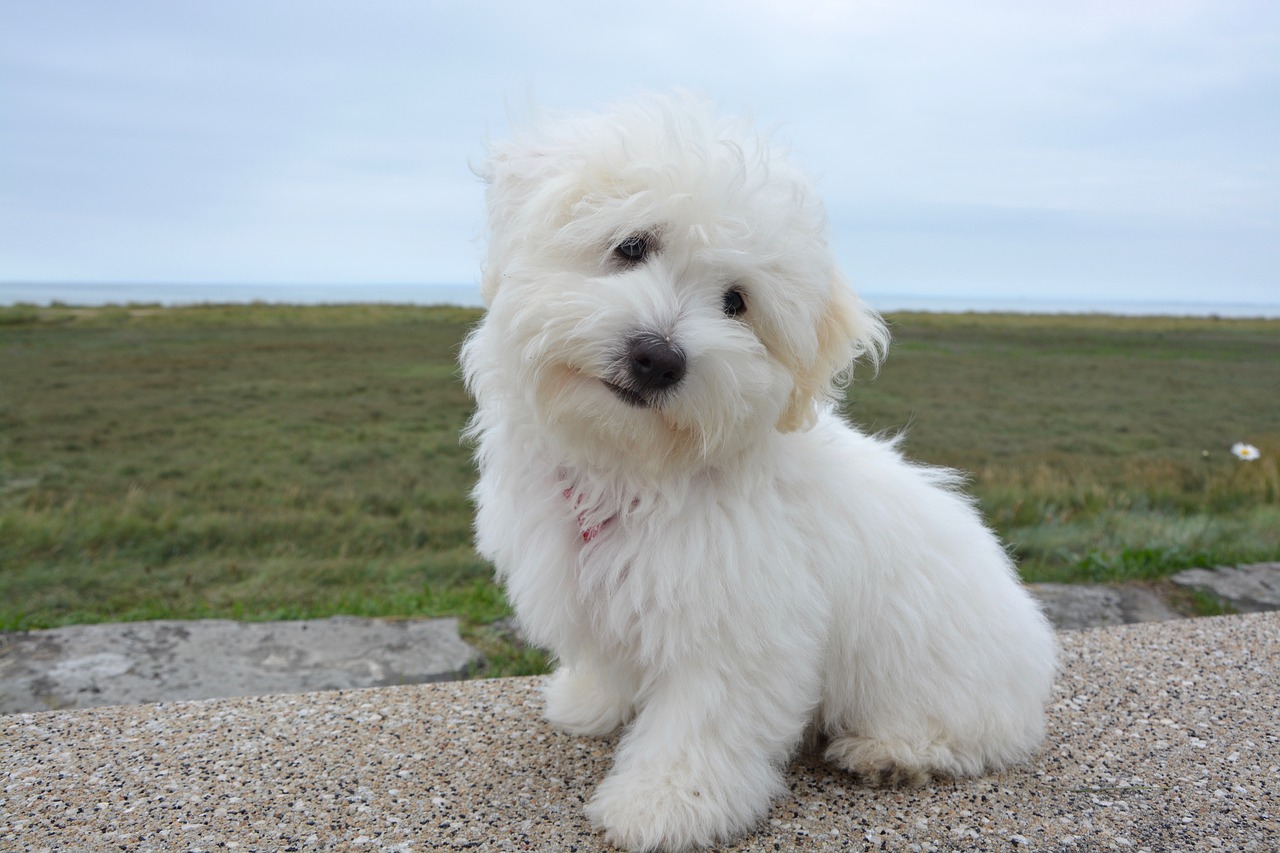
column 1249, row 589
column 1096, row 605
column 117, row 664
column 1160, row 737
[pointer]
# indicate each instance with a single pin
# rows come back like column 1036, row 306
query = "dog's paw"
column 890, row 762
column 643, row 811
column 580, row 703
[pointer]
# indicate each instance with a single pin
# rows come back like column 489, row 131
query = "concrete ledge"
column 84, row 666
column 1071, row 605
column 1162, row 736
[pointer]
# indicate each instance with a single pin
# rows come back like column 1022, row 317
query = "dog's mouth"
column 628, row 396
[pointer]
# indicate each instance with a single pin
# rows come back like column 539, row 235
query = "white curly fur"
column 730, row 564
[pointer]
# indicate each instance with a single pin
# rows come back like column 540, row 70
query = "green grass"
column 262, row 462
column 1098, row 446
column 252, row 462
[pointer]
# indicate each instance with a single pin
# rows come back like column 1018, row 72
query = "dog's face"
column 659, row 285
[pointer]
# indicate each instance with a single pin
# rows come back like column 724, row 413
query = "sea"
column 468, row 295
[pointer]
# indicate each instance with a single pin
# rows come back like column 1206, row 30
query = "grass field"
column 265, row 462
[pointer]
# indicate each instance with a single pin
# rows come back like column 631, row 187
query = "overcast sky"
column 1073, row 150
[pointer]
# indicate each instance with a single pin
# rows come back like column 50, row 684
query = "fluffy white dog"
column 717, row 560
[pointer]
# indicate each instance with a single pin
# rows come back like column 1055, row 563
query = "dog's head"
column 659, row 284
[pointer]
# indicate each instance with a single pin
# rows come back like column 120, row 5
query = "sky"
column 1081, row 150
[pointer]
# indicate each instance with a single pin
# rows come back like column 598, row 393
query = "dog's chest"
column 633, row 587
column 642, row 564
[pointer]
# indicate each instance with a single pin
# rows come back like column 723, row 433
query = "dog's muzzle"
column 649, row 366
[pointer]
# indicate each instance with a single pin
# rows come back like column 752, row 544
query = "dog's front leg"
column 588, row 697
column 704, row 757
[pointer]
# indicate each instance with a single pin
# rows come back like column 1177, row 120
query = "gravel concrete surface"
column 1162, row 736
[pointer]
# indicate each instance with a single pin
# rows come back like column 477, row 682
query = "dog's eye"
column 734, row 303
column 632, row 250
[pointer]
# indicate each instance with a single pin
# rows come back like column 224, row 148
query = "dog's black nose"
column 655, row 363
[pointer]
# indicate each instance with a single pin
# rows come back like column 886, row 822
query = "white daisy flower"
column 1245, row 452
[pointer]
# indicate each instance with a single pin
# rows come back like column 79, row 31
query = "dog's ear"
column 507, row 174
column 522, row 179
column 848, row 330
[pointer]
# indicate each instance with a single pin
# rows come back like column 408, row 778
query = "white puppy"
column 716, row 559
